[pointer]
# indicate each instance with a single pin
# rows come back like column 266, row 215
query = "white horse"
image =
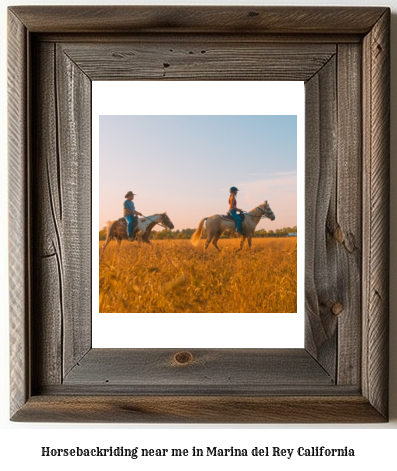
column 118, row 229
column 218, row 224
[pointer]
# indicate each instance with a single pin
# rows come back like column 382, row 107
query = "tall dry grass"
column 174, row 276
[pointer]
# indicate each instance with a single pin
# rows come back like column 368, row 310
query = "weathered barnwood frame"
column 342, row 55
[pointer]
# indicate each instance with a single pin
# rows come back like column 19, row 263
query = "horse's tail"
column 109, row 235
column 109, row 231
column 196, row 236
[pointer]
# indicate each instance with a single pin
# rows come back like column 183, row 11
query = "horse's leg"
column 208, row 241
column 145, row 239
column 249, row 241
column 109, row 236
column 103, row 250
column 242, row 243
column 142, row 238
column 215, row 241
column 104, row 245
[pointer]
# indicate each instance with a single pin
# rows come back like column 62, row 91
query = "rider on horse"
column 233, row 210
column 130, row 214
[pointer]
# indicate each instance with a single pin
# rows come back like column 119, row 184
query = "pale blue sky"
column 185, row 165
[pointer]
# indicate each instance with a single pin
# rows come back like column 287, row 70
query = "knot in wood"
column 338, row 235
column 183, row 358
column 337, row 308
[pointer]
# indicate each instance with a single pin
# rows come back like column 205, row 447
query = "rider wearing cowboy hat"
column 130, row 213
column 233, row 210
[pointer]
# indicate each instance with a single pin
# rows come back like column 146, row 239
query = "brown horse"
column 217, row 224
column 118, row 229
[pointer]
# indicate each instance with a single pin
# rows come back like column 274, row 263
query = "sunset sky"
column 185, row 165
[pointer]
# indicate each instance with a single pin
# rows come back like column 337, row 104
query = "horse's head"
column 166, row 221
column 267, row 211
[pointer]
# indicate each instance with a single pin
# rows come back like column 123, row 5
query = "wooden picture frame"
column 342, row 54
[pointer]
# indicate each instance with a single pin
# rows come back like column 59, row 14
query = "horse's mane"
column 159, row 214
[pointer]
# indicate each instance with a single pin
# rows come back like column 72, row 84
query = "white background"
column 227, row 330
column 21, row 443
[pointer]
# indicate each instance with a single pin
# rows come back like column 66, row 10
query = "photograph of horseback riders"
column 198, row 213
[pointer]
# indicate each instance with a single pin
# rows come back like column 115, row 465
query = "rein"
column 264, row 213
column 162, row 225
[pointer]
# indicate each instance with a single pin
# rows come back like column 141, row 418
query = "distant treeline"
column 187, row 233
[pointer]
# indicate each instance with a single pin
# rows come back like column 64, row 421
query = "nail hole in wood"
column 183, row 358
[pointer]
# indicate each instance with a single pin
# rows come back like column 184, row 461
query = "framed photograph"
column 57, row 55
column 255, row 141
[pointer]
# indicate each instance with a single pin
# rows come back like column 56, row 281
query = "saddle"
column 123, row 221
column 227, row 217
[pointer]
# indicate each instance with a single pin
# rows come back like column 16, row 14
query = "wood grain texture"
column 376, row 91
column 231, row 370
column 199, row 409
column 47, row 317
column 341, row 376
column 321, row 278
column 333, row 215
column 197, row 19
column 194, row 39
column 18, row 213
column 73, row 89
column 62, row 202
column 347, row 224
column 203, row 60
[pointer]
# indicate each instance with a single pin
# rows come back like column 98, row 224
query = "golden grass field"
column 174, row 276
